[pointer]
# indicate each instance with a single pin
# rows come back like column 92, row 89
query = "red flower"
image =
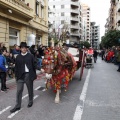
column 49, row 58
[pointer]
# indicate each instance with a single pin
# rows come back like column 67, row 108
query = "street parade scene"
column 59, row 60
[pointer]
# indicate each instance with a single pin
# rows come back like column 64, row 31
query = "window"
column 62, row 6
column 62, row 14
column 13, row 37
column 38, row 40
column 62, row 21
column 37, row 8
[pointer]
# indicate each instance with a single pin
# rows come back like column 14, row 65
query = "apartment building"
column 112, row 21
column 66, row 12
column 86, row 17
column 84, row 29
column 21, row 18
column 81, row 24
column 107, row 25
column 95, row 35
column 117, row 15
column 112, row 15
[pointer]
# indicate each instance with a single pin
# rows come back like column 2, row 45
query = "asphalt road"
column 44, row 107
column 96, row 97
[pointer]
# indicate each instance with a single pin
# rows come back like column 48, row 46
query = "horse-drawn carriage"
column 60, row 65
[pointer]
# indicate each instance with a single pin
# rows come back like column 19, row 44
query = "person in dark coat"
column 32, row 50
column 16, row 50
column 11, row 63
column 102, row 54
column 41, row 50
column 2, row 46
column 25, row 72
column 95, row 54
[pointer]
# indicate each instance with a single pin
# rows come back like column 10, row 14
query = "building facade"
column 20, row 18
column 113, row 20
column 86, row 17
column 112, row 15
column 66, row 12
column 95, row 35
column 117, row 13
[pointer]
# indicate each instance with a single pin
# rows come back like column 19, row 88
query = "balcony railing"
column 74, row 18
column 75, row 3
column 113, row 1
column 74, row 26
column 17, row 6
column 74, row 34
column 75, row 11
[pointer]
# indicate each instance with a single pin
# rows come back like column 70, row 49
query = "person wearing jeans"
column 3, row 70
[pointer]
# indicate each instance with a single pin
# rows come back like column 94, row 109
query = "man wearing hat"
column 25, row 72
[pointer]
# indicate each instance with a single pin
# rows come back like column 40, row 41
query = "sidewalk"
column 103, row 94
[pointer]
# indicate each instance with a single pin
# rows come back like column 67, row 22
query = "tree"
column 110, row 39
column 85, row 44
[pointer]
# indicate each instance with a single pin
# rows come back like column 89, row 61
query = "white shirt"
column 26, row 68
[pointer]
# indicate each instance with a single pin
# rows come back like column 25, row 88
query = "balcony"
column 17, row 7
column 74, row 34
column 119, row 10
column 74, row 3
column 74, row 26
column 113, row 1
column 76, row 11
column 74, row 19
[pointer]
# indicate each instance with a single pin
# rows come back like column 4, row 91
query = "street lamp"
column 10, row 11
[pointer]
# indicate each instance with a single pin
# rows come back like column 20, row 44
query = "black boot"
column 30, row 104
column 15, row 109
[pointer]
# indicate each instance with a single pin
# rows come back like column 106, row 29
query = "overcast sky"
column 99, row 12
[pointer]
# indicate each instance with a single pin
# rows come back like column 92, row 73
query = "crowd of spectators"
column 112, row 55
column 8, row 59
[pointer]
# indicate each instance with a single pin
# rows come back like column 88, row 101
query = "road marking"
column 36, row 96
column 37, row 88
column 44, row 90
column 80, row 106
column 5, row 109
column 13, row 114
column 25, row 96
